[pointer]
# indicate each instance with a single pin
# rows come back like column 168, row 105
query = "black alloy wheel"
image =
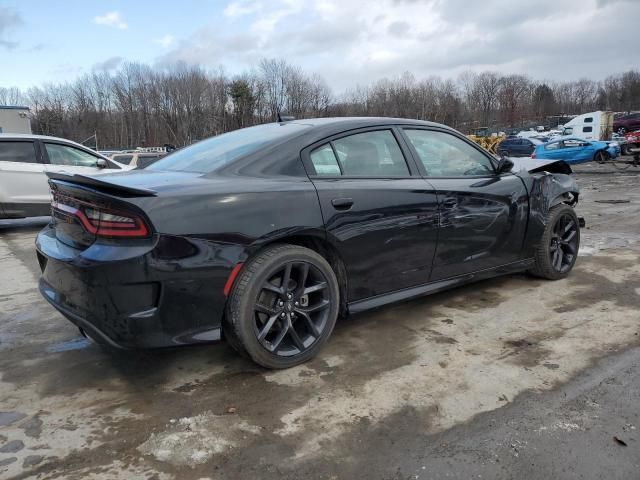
column 292, row 309
column 283, row 306
column 557, row 251
column 563, row 246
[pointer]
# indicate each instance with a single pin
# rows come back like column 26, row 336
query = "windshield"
column 216, row 152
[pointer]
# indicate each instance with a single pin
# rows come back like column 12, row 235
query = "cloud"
column 165, row 41
column 109, row 64
column 241, row 8
column 111, row 19
column 349, row 44
column 9, row 20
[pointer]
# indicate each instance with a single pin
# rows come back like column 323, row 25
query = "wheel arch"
column 313, row 240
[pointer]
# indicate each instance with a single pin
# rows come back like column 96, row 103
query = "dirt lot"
column 509, row 378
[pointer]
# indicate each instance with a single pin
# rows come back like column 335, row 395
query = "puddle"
column 76, row 344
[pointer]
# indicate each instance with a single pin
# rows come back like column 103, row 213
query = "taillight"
column 533, row 155
column 103, row 222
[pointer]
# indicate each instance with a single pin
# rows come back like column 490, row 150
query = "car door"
column 483, row 215
column 62, row 157
column 22, row 178
column 378, row 211
column 553, row 150
column 574, row 149
column 529, row 147
column 519, row 145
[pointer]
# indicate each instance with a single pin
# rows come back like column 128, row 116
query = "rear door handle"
column 342, row 203
column 450, row 203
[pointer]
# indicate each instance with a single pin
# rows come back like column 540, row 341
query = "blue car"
column 576, row 150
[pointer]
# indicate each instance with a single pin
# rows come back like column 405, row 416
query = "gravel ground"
column 509, row 378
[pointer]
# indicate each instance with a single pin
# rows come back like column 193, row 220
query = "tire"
column 546, row 264
column 298, row 319
column 600, row 156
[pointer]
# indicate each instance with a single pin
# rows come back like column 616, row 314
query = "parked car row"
column 569, row 149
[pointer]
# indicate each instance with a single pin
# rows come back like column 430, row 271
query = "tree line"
column 143, row 106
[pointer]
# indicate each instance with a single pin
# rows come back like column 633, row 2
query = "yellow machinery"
column 486, row 140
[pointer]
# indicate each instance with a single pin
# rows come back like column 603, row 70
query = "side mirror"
column 504, row 165
column 101, row 163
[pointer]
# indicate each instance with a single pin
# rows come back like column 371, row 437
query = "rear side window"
column 444, row 155
column 371, row 154
column 210, row 155
column 18, row 152
column 325, row 162
column 67, row 155
column 552, row 146
column 126, row 159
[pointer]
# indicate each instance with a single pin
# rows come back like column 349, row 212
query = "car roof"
column 356, row 122
column 321, row 128
column 29, row 136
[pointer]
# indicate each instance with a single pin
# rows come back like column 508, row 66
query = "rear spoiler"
column 107, row 187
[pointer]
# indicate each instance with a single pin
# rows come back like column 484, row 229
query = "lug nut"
column 282, row 315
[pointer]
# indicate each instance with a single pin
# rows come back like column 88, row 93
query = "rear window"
column 209, row 155
column 18, row 152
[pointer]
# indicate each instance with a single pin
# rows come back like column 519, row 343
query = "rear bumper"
column 133, row 296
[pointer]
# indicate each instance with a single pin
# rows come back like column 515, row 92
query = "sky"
column 348, row 42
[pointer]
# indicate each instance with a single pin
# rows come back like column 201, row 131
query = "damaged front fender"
column 548, row 184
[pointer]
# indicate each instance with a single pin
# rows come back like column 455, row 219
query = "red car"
column 631, row 140
column 626, row 123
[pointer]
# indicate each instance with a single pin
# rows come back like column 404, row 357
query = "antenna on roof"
column 282, row 119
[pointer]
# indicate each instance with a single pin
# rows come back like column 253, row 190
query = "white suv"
column 24, row 161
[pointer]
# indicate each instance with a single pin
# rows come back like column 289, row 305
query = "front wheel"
column 283, row 306
column 558, row 249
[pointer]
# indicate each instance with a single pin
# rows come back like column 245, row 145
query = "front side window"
column 444, row 155
column 324, row 161
column 371, row 154
column 18, row 152
column 71, row 156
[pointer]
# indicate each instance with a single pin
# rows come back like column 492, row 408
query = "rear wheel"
column 283, row 306
column 601, row 156
column 558, row 249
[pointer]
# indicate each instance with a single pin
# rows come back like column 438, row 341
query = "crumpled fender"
column 546, row 190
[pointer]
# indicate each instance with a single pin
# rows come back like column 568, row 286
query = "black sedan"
column 265, row 235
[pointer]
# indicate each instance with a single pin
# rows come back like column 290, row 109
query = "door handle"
column 450, row 203
column 342, row 203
